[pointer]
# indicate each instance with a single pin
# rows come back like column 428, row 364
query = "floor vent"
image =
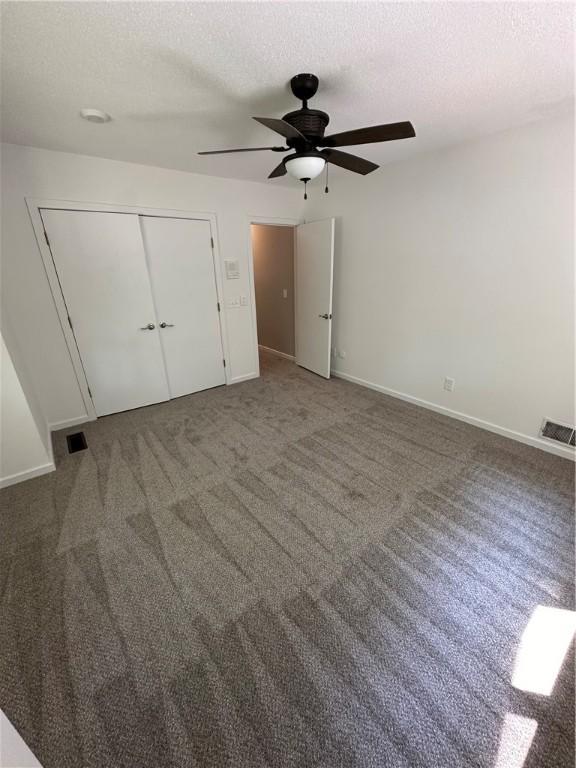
column 561, row 433
column 76, row 442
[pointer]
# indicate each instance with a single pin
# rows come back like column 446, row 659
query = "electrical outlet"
column 449, row 384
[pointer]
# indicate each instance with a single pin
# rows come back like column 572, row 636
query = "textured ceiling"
column 183, row 77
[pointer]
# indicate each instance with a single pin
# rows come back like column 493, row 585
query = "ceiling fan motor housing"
column 311, row 122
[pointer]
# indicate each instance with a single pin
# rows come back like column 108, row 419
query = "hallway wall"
column 273, row 253
column 24, row 449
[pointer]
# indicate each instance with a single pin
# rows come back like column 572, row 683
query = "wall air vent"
column 561, row 433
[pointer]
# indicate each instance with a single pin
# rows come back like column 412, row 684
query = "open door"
column 313, row 268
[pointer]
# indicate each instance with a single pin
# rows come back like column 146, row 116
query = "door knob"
column 326, row 316
column 149, row 327
column 166, row 325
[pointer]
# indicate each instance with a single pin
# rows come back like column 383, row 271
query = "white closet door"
column 101, row 266
column 181, row 267
column 313, row 268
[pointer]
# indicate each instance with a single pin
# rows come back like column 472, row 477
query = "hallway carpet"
column 288, row 572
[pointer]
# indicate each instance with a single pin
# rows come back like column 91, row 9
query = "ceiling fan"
column 304, row 129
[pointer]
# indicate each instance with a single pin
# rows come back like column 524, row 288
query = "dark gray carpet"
column 286, row 572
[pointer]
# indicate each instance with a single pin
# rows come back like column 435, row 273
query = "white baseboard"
column 69, row 423
column 276, row 352
column 535, row 442
column 246, row 377
column 28, row 474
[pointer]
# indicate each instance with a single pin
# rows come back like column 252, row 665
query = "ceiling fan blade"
column 348, row 161
column 371, row 135
column 250, row 149
column 281, row 127
column 280, row 170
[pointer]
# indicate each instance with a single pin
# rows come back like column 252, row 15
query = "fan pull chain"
column 305, row 193
column 326, row 190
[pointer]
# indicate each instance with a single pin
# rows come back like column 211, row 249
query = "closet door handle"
column 166, row 325
column 149, row 327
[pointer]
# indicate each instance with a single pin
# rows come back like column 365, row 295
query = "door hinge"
column 46, row 238
column 224, row 362
column 218, row 305
column 70, row 322
column 89, row 390
column 212, row 243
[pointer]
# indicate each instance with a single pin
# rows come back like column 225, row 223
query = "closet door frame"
column 35, row 205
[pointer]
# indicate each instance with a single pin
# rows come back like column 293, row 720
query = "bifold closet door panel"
column 101, row 266
column 181, row 267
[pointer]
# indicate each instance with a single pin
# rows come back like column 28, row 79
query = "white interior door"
column 101, row 266
column 313, row 268
column 181, row 265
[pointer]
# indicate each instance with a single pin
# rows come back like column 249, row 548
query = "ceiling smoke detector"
column 95, row 115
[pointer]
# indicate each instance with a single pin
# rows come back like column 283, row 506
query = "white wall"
column 23, row 449
column 26, row 298
column 460, row 263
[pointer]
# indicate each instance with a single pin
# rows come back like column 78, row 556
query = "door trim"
column 274, row 222
column 35, row 205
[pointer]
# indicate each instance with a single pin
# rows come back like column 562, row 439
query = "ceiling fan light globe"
column 305, row 166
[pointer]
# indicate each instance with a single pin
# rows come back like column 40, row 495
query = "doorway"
column 273, row 259
column 293, row 271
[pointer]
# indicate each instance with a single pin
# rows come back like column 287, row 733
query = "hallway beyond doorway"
column 273, row 256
